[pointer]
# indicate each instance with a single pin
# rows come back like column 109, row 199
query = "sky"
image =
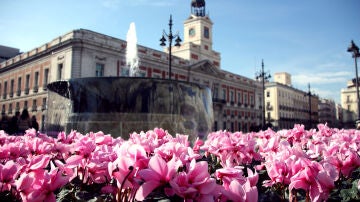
column 308, row 38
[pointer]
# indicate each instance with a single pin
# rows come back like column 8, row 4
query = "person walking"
column 24, row 122
column 34, row 123
column 13, row 124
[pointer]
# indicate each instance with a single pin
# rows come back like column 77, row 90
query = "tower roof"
column 198, row 3
column 198, row 7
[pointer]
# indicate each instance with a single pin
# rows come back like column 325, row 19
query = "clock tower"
column 198, row 33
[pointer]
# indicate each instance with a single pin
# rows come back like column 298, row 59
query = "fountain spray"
column 132, row 59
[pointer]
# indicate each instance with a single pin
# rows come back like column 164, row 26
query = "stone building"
column 327, row 112
column 349, row 105
column 286, row 106
column 84, row 53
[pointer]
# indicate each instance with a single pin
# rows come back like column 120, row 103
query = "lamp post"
column 170, row 38
column 309, row 94
column 355, row 54
column 264, row 77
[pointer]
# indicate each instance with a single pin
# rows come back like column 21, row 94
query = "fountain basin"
column 122, row 105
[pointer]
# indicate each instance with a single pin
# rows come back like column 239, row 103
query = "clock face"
column 192, row 32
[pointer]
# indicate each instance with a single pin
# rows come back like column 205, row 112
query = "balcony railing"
column 269, row 108
column 218, row 100
column 27, row 89
column 36, row 89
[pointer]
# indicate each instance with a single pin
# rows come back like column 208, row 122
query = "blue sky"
column 307, row 38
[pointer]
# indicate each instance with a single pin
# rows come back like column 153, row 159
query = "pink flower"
column 196, row 184
column 159, row 173
column 315, row 180
column 8, row 175
column 227, row 175
column 238, row 192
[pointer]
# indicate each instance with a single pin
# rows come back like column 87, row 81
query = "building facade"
column 84, row 53
column 327, row 112
column 286, row 106
column 349, row 105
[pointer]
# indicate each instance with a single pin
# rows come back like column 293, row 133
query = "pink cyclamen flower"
column 159, row 173
column 196, row 184
column 315, row 180
column 8, row 175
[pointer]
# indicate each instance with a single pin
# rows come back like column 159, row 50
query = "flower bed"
column 288, row 165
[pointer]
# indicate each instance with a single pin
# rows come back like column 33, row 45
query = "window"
column 46, row 78
column 267, row 93
column 60, row 72
column 17, row 107
column 99, row 71
column 19, row 87
column 43, row 107
column 239, row 97
column 245, row 98
column 36, row 82
column 27, row 84
column 34, row 106
column 25, row 104
column 10, row 108
column 5, row 89
column 215, row 94
column 12, row 83
column 251, row 99
column 124, row 71
column 206, row 32
column 231, row 96
column 224, row 125
column 224, row 94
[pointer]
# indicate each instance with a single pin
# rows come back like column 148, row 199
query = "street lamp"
column 309, row 94
column 264, row 77
column 170, row 38
column 355, row 54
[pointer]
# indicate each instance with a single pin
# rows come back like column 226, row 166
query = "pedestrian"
column 4, row 123
column 34, row 123
column 24, row 122
column 13, row 124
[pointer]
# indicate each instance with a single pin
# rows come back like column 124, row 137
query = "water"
column 122, row 105
column 132, row 59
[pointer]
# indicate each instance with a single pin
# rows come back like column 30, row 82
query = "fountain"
column 132, row 59
column 122, row 105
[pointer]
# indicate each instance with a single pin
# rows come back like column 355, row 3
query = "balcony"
column 27, row 90
column 43, row 107
column 4, row 96
column 36, row 89
column 44, row 86
column 11, row 94
column 219, row 101
column 34, row 108
column 269, row 107
column 18, row 92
